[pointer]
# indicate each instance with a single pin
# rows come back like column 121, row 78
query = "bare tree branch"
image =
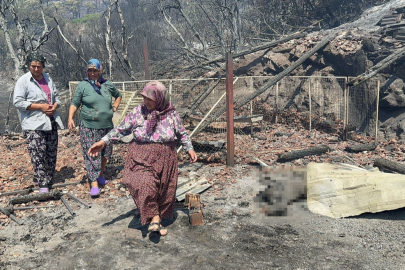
column 67, row 41
column 108, row 37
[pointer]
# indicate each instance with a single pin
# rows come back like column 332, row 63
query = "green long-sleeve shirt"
column 96, row 111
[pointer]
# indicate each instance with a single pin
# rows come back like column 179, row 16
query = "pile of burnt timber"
column 378, row 67
column 244, row 100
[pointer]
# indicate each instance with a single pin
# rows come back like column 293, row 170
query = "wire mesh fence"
column 320, row 103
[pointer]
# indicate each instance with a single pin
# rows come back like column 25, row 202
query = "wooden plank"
column 340, row 191
column 181, row 181
column 190, row 187
column 197, row 190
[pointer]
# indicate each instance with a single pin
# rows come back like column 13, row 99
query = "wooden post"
column 276, row 105
column 229, row 111
column 146, row 57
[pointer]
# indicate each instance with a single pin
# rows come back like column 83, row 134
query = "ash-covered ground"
column 234, row 234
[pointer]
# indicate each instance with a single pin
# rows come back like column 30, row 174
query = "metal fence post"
column 229, row 111
column 251, row 90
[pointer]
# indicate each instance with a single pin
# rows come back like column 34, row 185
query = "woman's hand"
column 192, row 155
column 96, row 148
column 51, row 110
column 71, row 125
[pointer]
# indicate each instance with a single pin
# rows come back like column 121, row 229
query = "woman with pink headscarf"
column 151, row 169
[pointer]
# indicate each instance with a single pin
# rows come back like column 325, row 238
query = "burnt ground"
column 109, row 236
column 234, row 234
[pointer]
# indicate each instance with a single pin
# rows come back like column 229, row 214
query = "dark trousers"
column 43, row 149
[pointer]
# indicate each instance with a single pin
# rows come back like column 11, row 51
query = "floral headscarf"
column 158, row 92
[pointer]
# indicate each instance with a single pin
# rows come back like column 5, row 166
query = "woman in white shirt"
column 37, row 100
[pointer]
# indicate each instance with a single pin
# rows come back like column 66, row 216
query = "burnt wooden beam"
column 361, row 147
column 378, row 67
column 17, row 192
column 33, row 207
column 388, row 165
column 78, row 200
column 249, row 51
column 54, row 195
column 29, row 190
column 67, row 206
column 317, row 150
column 14, row 218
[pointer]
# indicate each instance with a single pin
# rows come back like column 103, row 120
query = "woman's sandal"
column 154, row 227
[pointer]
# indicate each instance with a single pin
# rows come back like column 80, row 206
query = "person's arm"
column 183, row 137
column 76, row 102
column 20, row 98
column 117, row 103
column 118, row 97
column 123, row 129
column 71, row 122
column 43, row 107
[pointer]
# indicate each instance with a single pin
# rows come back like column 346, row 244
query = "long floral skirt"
column 89, row 136
column 150, row 174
